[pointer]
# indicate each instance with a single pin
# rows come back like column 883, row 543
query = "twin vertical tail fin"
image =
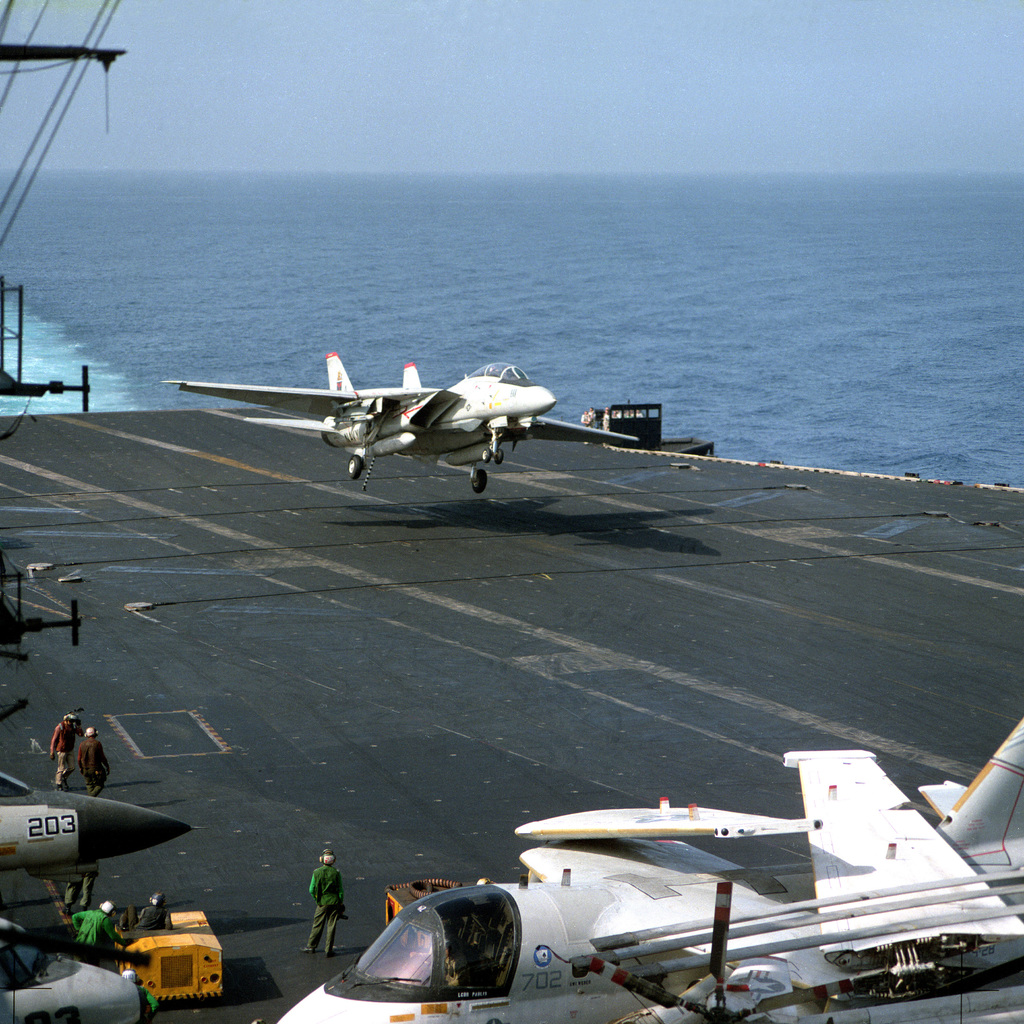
column 337, row 378
column 984, row 822
column 411, row 378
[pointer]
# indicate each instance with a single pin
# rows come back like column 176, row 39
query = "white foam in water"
column 47, row 355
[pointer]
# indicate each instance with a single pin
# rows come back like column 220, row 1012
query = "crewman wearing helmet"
column 62, row 746
column 152, row 1003
column 155, row 916
column 326, row 888
column 96, row 927
column 92, row 763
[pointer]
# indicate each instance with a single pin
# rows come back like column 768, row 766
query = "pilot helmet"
column 108, row 908
column 327, row 857
column 73, row 718
column 157, row 899
column 130, row 975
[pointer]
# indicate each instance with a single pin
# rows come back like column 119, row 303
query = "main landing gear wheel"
column 355, row 467
column 478, row 480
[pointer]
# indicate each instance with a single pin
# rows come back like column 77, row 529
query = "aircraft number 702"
column 543, row 979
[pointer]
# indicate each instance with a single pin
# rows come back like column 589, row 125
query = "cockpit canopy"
column 19, row 966
column 457, row 944
column 506, row 373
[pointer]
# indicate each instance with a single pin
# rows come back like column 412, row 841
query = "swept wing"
column 544, row 428
column 310, row 401
column 866, row 899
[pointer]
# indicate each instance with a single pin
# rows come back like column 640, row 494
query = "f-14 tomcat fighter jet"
column 466, row 423
column 621, row 918
column 62, row 836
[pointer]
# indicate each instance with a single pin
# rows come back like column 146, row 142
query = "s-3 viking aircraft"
column 621, row 919
column 467, row 423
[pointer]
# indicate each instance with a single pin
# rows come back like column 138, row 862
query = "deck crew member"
column 155, row 916
column 96, row 927
column 152, row 1003
column 92, row 763
column 80, row 887
column 326, row 888
column 62, row 746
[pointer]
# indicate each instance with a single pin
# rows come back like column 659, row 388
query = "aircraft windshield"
column 407, row 955
column 17, row 966
column 457, row 942
column 504, row 372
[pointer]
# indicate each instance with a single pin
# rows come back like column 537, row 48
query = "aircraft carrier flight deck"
column 406, row 672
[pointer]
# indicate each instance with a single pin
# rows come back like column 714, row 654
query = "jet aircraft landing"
column 466, row 423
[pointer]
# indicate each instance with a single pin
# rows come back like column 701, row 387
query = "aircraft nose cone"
column 108, row 828
column 543, row 399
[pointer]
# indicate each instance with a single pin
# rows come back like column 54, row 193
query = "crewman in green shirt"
column 152, row 1003
column 96, row 927
column 325, row 887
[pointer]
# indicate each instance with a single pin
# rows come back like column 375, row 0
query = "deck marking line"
column 181, row 450
column 733, row 695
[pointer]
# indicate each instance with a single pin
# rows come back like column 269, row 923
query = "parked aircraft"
column 467, row 423
column 617, row 916
column 61, row 836
column 38, row 987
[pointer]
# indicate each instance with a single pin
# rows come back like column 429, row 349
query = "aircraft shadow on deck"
column 648, row 530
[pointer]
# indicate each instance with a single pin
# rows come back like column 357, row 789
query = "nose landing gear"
column 493, row 450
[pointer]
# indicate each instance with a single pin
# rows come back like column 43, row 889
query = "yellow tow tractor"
column 185, row 960
column 398, row 896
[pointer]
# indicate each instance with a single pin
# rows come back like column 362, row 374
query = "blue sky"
column 579, row 86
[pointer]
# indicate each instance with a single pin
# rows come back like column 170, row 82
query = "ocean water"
column 861, row 323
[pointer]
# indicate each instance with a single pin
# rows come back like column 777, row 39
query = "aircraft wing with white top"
column 870, row 840
column 665, row 823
